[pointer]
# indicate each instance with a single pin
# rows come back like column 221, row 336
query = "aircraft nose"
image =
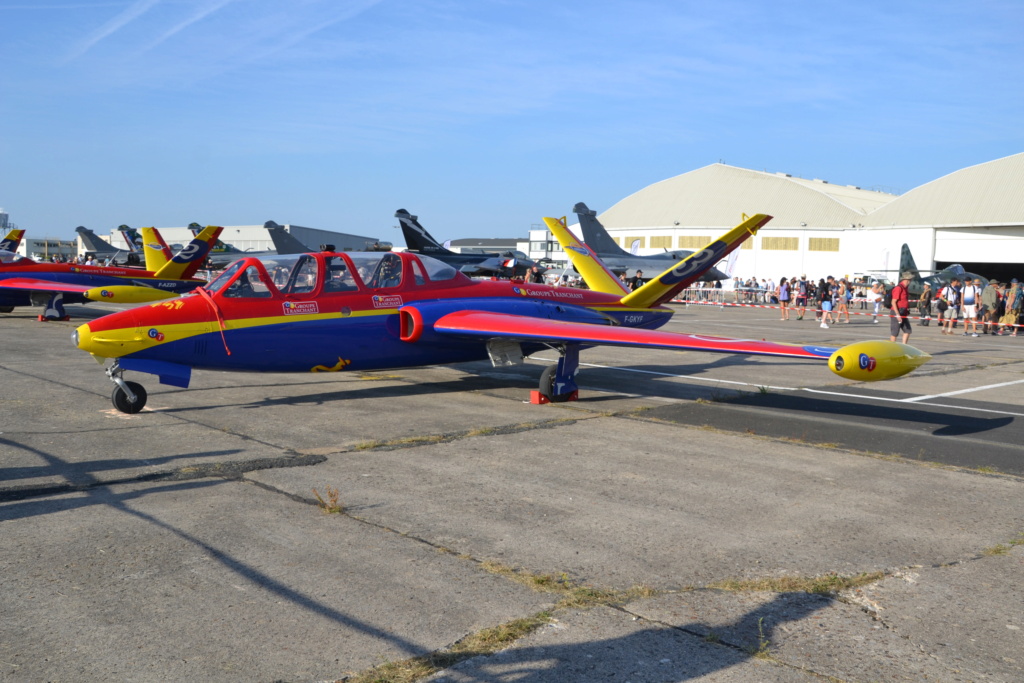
column 108, row 343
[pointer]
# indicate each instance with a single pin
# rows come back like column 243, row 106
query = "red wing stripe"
column 481, row 324
column 44, row 285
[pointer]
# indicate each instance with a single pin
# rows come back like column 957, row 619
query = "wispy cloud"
column 136, row 10
column 204, row 10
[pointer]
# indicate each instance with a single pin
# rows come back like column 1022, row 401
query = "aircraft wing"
column 117, row 294
column 525, row 328
column 865, row 361
column 41, row 285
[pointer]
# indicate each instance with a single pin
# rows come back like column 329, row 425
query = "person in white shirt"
column 971, row 295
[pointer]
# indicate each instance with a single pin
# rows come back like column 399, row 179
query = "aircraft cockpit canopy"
column 12, row 257
column 327, row 273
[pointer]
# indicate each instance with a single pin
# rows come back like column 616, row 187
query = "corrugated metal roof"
column 718, row 194
column 987, row 194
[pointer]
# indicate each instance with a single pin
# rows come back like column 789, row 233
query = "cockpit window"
column 226, row 276
column 11, row 257
column 303, row 276
column 339, row 275
column 289, row 274
column 250, row 284
column 417, row 272
column 379, row 270
column 437, row 271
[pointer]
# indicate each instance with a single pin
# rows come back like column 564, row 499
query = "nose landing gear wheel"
column 121, row 402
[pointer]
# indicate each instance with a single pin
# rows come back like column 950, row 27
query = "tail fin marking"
column 416, row 236
column 186, row 262
column 154, row 248
column 13, row 240
column 662, row 288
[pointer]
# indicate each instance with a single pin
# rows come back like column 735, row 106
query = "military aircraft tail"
column 95, row 243
column 664, row 287
column 219, row 247
column 186, row 262
column 594, row 272
column 155, row 249
column 132, row 237
column 284, row 241
column 13, row 240
column 907, row 263
column 416, row 236
column 596, row 235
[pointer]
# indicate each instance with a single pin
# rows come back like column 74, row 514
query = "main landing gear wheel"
column 547, row 385
column 122, row 402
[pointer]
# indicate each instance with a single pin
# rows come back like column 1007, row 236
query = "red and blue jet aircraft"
column 330, row 312
column 24, row 282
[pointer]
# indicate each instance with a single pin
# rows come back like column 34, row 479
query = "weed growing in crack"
column 762, row 650
column 331, row 506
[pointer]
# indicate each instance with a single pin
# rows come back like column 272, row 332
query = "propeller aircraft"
column 24, row 282
column 331, row 312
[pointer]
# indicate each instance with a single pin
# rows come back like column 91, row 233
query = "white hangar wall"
column 973, row 215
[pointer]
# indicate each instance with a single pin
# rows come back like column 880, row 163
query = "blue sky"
column 481, row 117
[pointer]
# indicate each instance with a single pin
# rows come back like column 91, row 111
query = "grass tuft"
column 827, row 584
column 331, row 506
column 485, row 642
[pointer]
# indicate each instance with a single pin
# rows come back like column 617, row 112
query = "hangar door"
column 980, row 245
column 990, row 252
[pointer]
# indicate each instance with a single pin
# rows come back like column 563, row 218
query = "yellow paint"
column 334, row 368
column 890, row 360
column 127, row 294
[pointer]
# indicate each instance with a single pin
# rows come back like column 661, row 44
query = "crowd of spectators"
column 994, row 308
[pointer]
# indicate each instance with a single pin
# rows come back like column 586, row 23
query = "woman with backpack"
column 843, row 297
column 825, row 303
column 1013, row 301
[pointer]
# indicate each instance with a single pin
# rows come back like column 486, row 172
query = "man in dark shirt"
column 900, row 320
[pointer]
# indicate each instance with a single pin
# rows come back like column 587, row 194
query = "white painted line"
column 963, row 391
column 813, row 391
column 669, row 374
column 903, row 400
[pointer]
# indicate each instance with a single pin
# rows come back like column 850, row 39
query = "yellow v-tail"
column 594, row 272
column 186, row 262
column 664, row 287
column 154, row 248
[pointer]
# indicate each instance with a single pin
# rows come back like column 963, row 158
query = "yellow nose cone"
column 112, row 343
column 870, row 361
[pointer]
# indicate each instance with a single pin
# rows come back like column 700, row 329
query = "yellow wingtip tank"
column 127, row 294
column 870, row 361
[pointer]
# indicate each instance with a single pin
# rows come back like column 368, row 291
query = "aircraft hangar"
column 974, row 216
